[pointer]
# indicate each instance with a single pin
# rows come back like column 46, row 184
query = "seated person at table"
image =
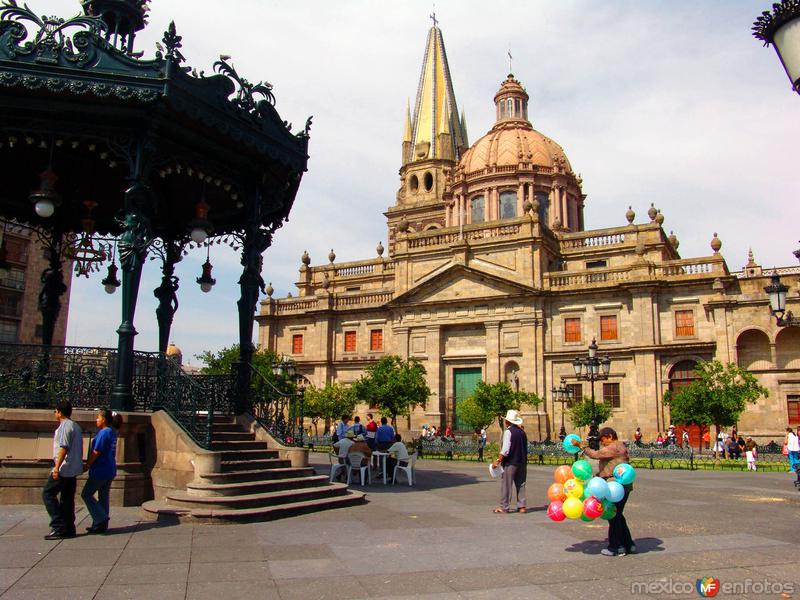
column 397, row 453
column 360, row 445
column 342, row 447
column 384, row 436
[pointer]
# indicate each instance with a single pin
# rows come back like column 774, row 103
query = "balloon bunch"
column 577, row 495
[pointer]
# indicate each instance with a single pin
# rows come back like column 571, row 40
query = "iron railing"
column 279, row 412
column 39, row 376
column 34, row 376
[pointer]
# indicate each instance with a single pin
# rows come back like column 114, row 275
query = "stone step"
column 186, row 500
column 157, row 510
column 258, row 475
column 222, row 445
column 227, row 428
column 226, row 466
column 206, row 489
column 260, row 454
column 233, row 436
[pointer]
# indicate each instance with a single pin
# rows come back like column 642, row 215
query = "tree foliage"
column 493, row 400
column 221, row 362
column 393, row 385
column 581, row 412
column 717, row 397
column 328, row 403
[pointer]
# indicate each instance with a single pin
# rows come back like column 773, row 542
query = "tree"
column 328, row 403
column 493, row 400
column 581, row 412
column 393, row 385
column 221, row 362
column 717, row 397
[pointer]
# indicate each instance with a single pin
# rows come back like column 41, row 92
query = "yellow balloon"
column 573, row 488
column 573, row 508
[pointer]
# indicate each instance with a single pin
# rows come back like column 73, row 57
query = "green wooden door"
column 464, row 383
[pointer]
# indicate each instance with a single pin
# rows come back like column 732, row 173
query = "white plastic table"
column 381, row 462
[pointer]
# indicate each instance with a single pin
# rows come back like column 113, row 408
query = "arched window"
column 510, row 107
column 752, row 350
column 787, row 346
column 508, row 205
column 477, row 210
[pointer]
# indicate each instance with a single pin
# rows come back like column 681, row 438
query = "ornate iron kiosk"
column 104, row 152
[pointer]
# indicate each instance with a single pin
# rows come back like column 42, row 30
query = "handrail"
column 279, row 413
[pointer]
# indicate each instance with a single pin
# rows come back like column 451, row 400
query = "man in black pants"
column 611, row 453
column 59, row 491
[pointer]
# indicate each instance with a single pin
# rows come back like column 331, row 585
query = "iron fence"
column 38, row 376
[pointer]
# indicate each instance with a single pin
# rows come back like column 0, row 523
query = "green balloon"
column 585, row 494
column 610, row 511
column 582, row 470
column 587, row 519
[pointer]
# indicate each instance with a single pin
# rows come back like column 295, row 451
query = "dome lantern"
column 511, row 101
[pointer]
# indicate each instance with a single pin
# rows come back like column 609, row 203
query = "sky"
column 670, row 102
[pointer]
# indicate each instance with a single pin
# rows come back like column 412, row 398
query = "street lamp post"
column 591, row 369
column 563, row 395
column 287, row 368
column 781, row 28
column 777, row 302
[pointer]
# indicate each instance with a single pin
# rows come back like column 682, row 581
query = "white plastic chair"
column 358, row 461
column 408, row 468
column 336, row 466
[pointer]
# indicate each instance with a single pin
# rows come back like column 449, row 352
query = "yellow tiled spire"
column 436, row 111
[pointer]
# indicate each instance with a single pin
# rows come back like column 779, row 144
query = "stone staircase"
column 252, row 484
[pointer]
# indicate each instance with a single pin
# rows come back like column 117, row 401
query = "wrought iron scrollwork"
column 247, row 92
column 279, row 412
column 51, row 41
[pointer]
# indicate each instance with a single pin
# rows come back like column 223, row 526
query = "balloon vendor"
column 613, row 466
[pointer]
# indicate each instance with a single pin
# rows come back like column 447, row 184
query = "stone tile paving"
column 438, row 539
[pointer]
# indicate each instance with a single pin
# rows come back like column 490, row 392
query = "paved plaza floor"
column 438, row 539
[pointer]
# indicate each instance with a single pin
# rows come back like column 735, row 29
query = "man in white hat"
column 514, row 458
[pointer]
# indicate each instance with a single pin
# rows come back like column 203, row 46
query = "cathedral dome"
column 174, row 353
column 513, row 141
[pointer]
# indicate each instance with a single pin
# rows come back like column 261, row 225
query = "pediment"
column 459, row 283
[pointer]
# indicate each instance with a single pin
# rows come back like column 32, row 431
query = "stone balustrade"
column 437, row 237
column 690, row 267
column 366, row 299
column 592, row 241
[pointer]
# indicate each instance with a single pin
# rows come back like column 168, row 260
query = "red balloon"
column 563, row 473
column 592, row 507
column 556, row 511
column 556, row 492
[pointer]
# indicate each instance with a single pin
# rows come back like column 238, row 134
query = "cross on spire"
column 433, row 16
column 510, row 58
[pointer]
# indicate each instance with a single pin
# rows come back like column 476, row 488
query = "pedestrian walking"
column 102, row 466
column 751, row 454
column 58, row 494
column 793, row 446
column 637, row 437
column 514, row 459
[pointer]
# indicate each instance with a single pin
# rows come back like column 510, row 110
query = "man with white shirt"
column 514, row 458
column 397, row 453
column 58, row 494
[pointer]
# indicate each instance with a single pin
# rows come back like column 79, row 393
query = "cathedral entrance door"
column 464, row 383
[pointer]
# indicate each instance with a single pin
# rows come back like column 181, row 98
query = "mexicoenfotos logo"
column 708, row 587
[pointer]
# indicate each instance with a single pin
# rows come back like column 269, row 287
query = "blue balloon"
column 624, row 473
column 569, row 446
column 615, row 491
column 598, row 488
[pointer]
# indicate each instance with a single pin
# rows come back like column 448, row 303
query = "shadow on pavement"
column 643, row 546
column 142, row 526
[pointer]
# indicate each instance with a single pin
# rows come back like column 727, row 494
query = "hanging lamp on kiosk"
column 111, row 282
column 205, row 280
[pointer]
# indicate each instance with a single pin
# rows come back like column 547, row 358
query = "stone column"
column 493, row 352
column 433, row 366
column 520, row 199
column 565, row 221
column 555, row 205
column 400, row 342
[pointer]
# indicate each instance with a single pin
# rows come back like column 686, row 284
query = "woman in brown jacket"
column 611, row 453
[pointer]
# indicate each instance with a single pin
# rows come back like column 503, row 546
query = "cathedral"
column 490, row 274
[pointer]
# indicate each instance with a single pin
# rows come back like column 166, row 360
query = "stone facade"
column 494, row 271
